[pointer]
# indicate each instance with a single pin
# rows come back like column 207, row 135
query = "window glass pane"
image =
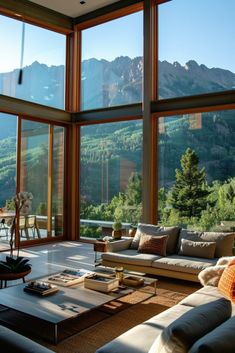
column 112, row 65
column 34, row 173
column 58, row 180
column 195, row 51
column 8, row 125
column 110, row 182
column 196, row 170
column 43, row 63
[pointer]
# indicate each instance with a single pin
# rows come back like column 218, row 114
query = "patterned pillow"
column 150, row 244
column 227, row 283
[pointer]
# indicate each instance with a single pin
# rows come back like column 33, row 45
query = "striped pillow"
column 150, row 244
column 227, row 283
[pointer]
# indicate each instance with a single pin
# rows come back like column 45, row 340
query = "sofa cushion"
column 202, row 249
column 227, row 283
column 12, row 342
column 141, row 337
column 224, row 241
column 183, row 263
column 202, row 296
column 151, row 244
column 130, row 257
column 181, row 334
column 219, row 340
column 150, row 229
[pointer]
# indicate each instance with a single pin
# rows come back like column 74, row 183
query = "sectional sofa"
column 186, row 252
column 204, row 322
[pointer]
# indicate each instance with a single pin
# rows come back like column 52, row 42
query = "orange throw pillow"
column 227, row 283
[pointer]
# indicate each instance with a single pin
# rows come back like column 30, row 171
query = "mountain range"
column 120, row 82
column 110, row 83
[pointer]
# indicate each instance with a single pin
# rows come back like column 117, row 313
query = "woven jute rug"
column 169, row 293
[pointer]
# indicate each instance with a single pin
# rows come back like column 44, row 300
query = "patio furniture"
column 26, row 223
column 4, row 227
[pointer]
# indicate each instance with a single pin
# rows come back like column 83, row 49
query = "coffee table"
column 60, row 315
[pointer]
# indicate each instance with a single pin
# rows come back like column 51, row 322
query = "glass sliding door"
column 34, row 174
column 42, row 174
column 8, row 125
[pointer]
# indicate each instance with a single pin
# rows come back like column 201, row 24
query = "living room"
column 116, row 111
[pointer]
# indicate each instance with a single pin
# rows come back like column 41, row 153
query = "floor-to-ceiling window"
column 111, row 153
column 196, row 186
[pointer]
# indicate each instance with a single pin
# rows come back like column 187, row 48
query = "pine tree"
column 189, row 193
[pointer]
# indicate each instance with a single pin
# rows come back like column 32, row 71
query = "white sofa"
column 218, row 336
column 175, row 264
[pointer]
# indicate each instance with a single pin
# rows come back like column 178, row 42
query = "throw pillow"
column 150, row 229
column 227, row 283
column 221, row 339
column 143, row 228
column 224, row 241
column 181, row 334
column 197, row 248
column 150, row 244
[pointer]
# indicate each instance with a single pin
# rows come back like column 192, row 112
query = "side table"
column 99, row 246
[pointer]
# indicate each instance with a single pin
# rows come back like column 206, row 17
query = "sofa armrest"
column 119, row 245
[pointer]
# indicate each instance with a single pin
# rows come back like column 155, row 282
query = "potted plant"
column 117, row 230
column 17, row 267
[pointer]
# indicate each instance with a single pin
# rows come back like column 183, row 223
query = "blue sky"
column 40, row 44
column 123, row 36
column 202, row 30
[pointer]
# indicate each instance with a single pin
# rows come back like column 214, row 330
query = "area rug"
column 169, row 293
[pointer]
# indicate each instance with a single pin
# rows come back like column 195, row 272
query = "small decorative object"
column 40, row 288
column 119, row 273
column 132, row 231
column 117, row 230
column 133, row 281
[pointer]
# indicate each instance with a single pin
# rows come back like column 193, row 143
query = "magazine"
column 69, row 277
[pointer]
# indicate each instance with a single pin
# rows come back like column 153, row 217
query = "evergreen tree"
column 190, row 191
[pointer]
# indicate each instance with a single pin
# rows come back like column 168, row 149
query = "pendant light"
column 22, row 55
